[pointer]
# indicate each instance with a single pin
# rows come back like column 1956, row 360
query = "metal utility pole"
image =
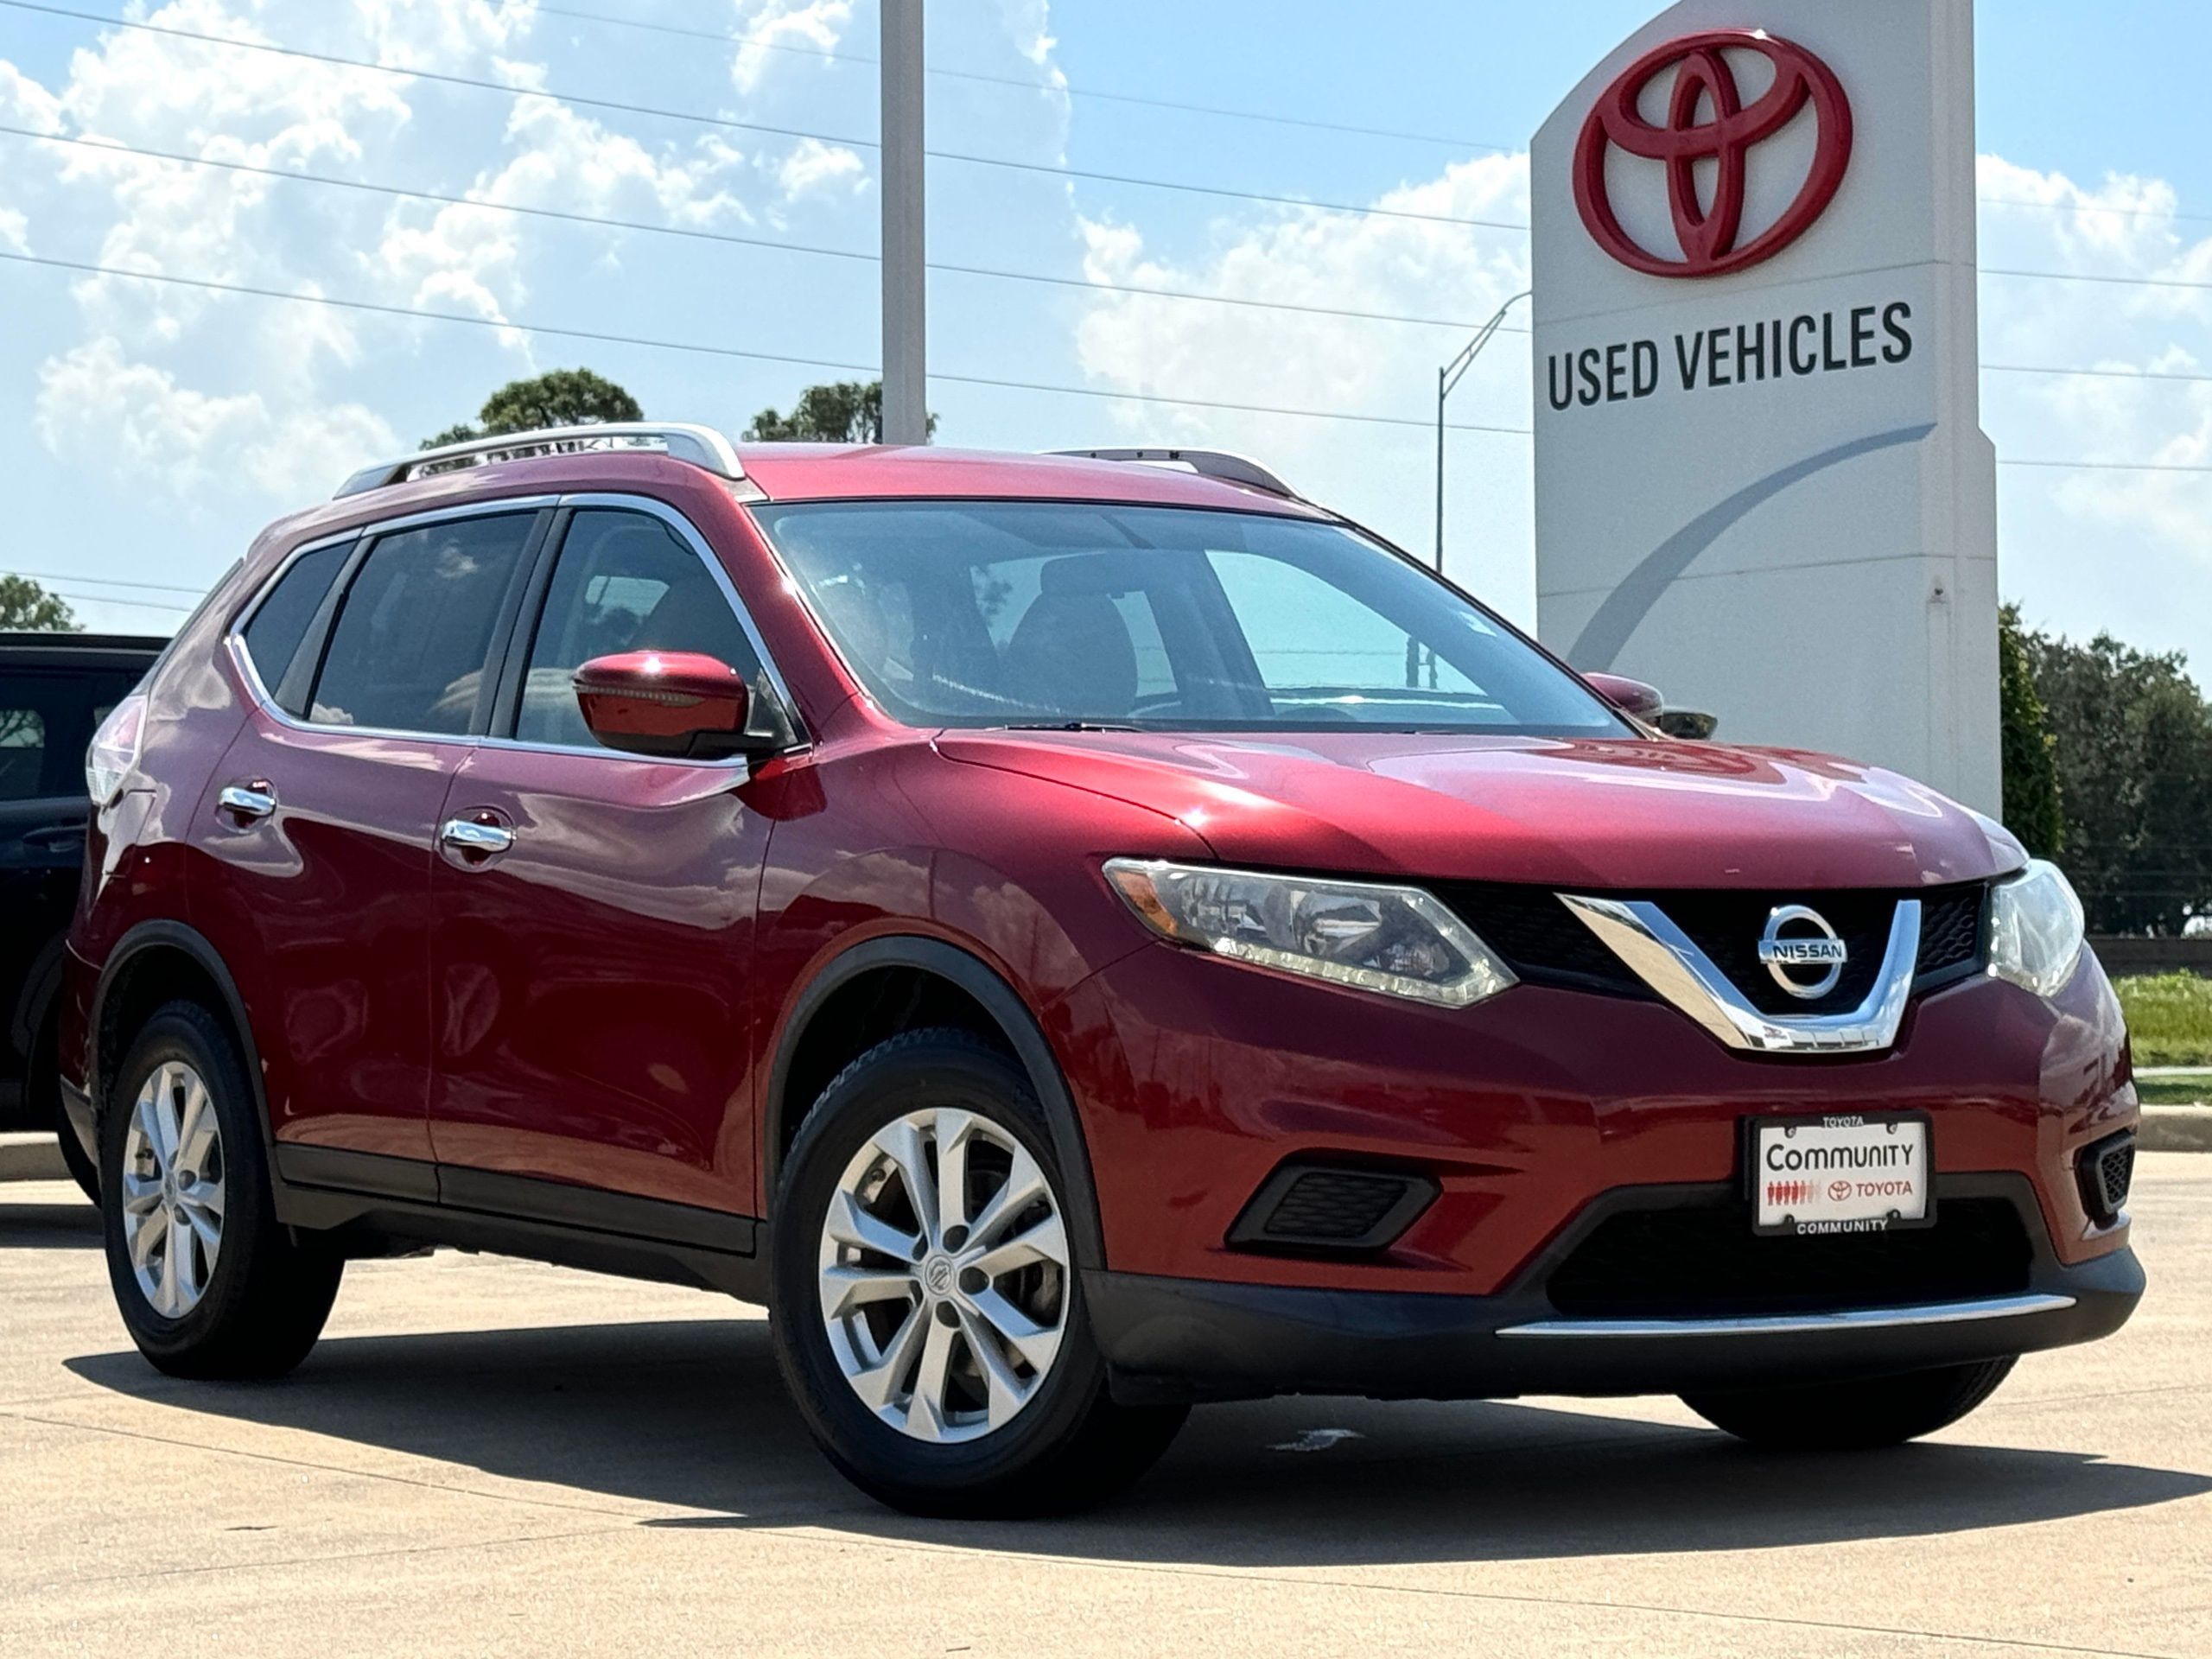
column 906, row 300
column 1447, row 378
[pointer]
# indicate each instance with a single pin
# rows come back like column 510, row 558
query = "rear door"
column 48, row 714
column 591, row 963
column 372, row 665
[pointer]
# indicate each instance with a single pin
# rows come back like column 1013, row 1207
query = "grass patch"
column 2169, row 1017
column 2175, row 1091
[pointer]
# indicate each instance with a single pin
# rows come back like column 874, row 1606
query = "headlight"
column 1400, row 941
column 2035, row 929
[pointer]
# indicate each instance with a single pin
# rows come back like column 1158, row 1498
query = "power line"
column 689, row 233
column 127, row 604
column 987, row 381
column 731, row 123
column 105, row 581
column 828, row 55
column 600, row 338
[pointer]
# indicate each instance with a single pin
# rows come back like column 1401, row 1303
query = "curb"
column 2176, row 1129
column 31, row 1156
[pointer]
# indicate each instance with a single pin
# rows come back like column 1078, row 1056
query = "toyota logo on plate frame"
column 1708, row 121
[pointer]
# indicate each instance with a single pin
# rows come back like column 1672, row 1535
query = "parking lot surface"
column 491, row 1457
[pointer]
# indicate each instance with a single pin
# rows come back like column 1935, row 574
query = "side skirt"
column 373, row 1205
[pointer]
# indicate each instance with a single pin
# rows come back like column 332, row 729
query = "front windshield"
column 1041, row 613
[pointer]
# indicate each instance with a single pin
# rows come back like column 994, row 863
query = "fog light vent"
column 1309, row 1207
column 2104, row 1172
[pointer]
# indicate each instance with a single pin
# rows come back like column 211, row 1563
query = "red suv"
column 1074, row 937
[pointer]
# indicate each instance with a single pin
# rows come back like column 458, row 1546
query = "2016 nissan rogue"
column 1074, row 937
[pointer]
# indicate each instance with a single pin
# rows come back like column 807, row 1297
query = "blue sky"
column 146, row 432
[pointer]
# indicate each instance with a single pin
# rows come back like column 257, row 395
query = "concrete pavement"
column 490, row 1457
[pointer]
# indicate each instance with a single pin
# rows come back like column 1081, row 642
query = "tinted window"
column 272, row 638
column 1037, row 613
column 23, row 743
column 625, row 581
column 47, row 718
column 408, row 651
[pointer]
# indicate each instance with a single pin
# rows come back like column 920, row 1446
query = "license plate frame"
column 1759, row 1131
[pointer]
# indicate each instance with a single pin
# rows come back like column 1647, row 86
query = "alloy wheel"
column 173, row 1195
column 943, row 1275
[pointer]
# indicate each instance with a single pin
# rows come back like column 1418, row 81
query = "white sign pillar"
column 1761, row 480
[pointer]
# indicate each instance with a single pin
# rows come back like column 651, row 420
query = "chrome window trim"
column 234, row 636
column 1792, row 1324
column 1665, row 958
column 686, row 531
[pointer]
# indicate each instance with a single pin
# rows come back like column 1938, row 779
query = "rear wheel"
column 1853, row 1416
column 209, row 1283
column 929, row 1318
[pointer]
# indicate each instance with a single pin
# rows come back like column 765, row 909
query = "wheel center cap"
column 937, row 1274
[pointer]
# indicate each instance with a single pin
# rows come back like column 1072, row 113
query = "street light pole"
column 906, row 307
column 1447, row 378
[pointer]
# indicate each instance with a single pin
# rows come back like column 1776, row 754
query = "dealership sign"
column 1757, row 427
column 1708, row 119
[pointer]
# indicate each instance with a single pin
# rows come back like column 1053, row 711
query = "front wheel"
column 929, row 1318
column 1853, row 1416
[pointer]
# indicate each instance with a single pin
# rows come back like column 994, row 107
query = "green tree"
column 2032, row 810
column 28, row 607
column 845, row 411
column 561, row 397
column 2134, row 748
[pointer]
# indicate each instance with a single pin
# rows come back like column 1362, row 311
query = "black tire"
column 46, row 1103
column 1853, row 1416
column 1069, row 1446
column 269, row 1292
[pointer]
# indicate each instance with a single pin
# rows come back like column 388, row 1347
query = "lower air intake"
column 1310, row 1207
column 2105, row 1172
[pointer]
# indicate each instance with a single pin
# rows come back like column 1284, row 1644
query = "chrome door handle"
column 247, row 800
column 465, row 835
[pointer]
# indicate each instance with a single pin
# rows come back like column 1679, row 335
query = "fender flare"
column 176, row 935
column 1000, row 1000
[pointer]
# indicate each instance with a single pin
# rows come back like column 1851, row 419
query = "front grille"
column 1305, row 1207
column 1544, row 943
column 1705, row 1263
column 2104, row 1173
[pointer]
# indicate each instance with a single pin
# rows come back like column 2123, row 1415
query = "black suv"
column 54, row 689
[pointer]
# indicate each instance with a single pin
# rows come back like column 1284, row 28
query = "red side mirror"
column 1630, row 696
column 679, row 704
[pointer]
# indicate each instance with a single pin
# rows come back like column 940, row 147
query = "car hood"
column 1622, row 814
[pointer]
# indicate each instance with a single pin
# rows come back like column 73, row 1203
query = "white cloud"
column 811, row 166
column 1029, row 23
column 763, row 25
column 96, row 402
column 1238, row 353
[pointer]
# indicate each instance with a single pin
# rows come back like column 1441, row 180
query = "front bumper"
column 1187, row 1339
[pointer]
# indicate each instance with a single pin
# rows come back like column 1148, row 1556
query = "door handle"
column 254, row 800
column 484, row 840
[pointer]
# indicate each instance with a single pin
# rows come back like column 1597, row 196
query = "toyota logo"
column 1798, row 941
column 1707, row 121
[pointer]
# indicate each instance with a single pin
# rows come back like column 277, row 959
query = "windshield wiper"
column 1065, row 726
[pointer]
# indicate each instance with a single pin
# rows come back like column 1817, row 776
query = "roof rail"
column 700, row 445
column 1206, row 463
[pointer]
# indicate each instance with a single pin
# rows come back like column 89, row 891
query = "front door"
column 595, row 914
column 369, row 674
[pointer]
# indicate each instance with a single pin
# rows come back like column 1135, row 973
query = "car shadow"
column 48, row 1226
column 692, row 1414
